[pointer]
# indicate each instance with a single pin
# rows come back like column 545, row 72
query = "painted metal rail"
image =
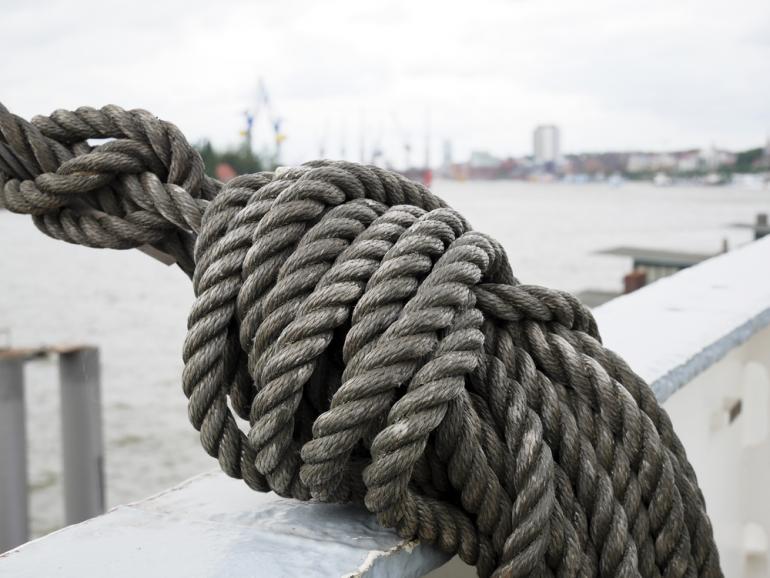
column 81, row 431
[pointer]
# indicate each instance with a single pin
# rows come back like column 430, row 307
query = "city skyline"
column 614, row 76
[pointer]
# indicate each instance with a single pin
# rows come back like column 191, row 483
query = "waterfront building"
column 546, row 145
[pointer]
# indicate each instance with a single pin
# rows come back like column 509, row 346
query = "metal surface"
column 707, row 310
column 212, row 526
column 14, row 507
column 82, row 448
column 657, row 257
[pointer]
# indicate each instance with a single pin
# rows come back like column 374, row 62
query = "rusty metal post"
column 636, row 279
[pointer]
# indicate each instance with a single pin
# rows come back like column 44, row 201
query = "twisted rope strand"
column 378, row 351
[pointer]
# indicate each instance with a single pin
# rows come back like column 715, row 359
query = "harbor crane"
column 264, row 106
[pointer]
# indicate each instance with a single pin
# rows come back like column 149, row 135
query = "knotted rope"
column 379, row 351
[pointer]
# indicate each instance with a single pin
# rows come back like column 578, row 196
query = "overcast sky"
column 613, row 74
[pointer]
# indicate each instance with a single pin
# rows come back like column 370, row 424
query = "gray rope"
column 381, row 353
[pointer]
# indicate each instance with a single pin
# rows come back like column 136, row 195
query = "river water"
column 135, row 309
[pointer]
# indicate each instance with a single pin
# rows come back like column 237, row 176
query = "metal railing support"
column 82, row 447
column 14, row 503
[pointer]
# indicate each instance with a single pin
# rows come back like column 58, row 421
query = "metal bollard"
column 82, row 448
column 14, row 504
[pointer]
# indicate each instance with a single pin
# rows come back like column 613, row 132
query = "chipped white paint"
column 706, row 327
column 375, row 557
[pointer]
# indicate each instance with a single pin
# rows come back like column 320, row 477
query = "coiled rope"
column 379, row 351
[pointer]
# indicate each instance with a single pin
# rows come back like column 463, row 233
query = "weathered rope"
column 382, row 352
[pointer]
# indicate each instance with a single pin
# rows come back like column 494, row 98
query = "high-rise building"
column 446, row 161
column 546, row 145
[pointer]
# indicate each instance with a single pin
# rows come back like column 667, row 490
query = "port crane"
column 264, row 105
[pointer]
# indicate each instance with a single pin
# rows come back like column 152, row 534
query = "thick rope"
column 381, row 352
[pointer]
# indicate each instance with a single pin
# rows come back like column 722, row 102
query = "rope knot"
column 144, row 186
column 353, row 340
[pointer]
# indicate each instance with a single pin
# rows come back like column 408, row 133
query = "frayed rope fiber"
column 379, row 351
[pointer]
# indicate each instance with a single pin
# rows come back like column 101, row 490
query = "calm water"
column 135, row 308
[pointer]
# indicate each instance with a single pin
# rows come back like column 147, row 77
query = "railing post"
column 14, row 501
column 82, row 448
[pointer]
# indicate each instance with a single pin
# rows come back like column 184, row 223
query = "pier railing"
column 81, row 435
column 700, row 337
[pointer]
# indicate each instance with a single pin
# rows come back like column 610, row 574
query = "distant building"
column 650, row 162
column 596, row 165
column 225, row 171
column 546, row 145
column 483, row 165
column 712, row 158
column 446, row 161
column 686, row 161
column 483, row 160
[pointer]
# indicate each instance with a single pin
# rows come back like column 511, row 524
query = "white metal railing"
column 701, row 338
